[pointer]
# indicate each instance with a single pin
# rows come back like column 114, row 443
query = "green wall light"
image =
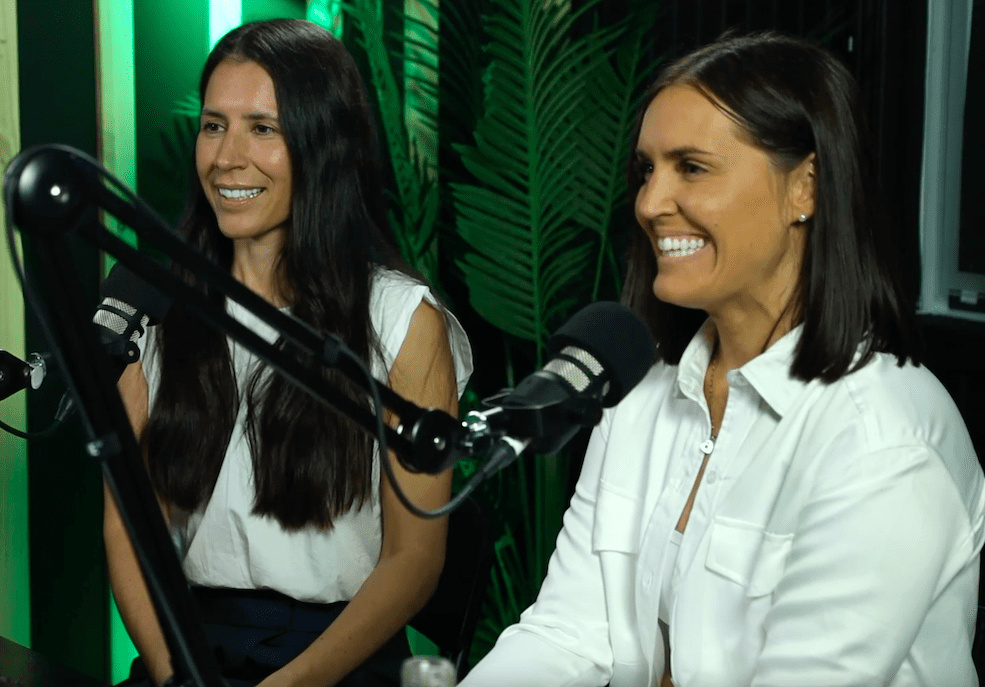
column 327, row 14
column 15, row 610
column 224, row 16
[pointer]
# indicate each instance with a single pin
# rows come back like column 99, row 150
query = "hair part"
column 791, row 99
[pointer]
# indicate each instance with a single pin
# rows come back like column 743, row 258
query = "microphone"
column 128, row 307
column 17, row 374
column 599, row 355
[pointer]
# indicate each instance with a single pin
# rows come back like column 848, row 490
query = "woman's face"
column 241, row 156
column 722, row 221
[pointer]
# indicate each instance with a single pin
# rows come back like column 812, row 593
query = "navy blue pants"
column 253, row 633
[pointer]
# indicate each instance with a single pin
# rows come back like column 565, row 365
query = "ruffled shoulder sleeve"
column 393, row 300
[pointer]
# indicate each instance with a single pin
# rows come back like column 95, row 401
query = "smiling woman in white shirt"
column 788, row 498
column 304, row 565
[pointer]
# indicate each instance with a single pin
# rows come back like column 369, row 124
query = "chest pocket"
column 617, row 521
column 616, row 542
column 748, row 555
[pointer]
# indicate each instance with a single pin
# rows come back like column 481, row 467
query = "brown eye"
column 689, row 168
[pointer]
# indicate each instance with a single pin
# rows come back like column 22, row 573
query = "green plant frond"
column 189, row 106
column 555, row 287
column 498, row 281
column 510, row 135
column 490, row 227
column 497, row 286
column 497, row 160
column 509, row 200
column 558, row 194
column 510, row 264
column 618, row 80
column 568, row 264
column 429, row 6
column 424, row 65
column 460, row 27
column 496, row 167
column 512, row 250
column 415, row 224
column 480, row 221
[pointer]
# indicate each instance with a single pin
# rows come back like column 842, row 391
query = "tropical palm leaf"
column 532, row 188
column 414, row 207
column 618, row 84
column 527, row 252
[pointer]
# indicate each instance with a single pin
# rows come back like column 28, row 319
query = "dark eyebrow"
column 676, row 153
column 252, row 116
column 687, row 151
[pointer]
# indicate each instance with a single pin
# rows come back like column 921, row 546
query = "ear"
column 802, row 185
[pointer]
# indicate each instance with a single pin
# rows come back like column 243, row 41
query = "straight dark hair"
column 792, row 98
column 310, row 464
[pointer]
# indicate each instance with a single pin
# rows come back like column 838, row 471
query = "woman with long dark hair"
column 787, row 498
column 304, row 565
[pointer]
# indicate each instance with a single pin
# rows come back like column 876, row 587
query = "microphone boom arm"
column 53, row 191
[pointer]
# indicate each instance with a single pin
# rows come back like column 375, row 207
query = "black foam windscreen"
column 617, row 338
column 125, row 286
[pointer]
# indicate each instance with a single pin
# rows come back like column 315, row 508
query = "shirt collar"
column 768, row 373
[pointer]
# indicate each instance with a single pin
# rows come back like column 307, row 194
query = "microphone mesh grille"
column 569, row 372
column 585, row 358
column 108, row 319
column 111, row 321
column 119, row 305
column 573, row 371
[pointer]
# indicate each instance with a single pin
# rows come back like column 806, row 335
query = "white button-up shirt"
column 834, row 539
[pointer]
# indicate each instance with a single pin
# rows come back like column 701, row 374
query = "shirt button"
column 707, row 446
column 712, row 476
column 647, row 581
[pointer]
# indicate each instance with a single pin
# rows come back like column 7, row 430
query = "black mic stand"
column 52, row 191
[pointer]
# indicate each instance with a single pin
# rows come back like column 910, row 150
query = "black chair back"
column 449, row 619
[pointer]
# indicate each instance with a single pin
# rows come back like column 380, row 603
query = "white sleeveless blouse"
column 223, row 544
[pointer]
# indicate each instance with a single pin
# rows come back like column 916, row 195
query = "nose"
column 656, row 196
column 230, row 152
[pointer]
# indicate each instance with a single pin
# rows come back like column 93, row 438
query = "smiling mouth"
column 239, row 193
column 678, row 248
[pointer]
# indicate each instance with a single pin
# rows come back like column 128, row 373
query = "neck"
column 254, row 265
column 740, row 339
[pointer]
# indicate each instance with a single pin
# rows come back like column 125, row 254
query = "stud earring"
column 802, row 218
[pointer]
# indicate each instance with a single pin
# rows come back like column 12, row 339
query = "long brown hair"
column 310, row 464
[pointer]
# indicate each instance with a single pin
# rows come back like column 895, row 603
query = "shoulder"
column 896, row 403
column 393, row 300
column 400, row 304
column 885, row 417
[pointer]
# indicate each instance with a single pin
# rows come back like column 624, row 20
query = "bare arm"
column 413, row 549
column 125, row 577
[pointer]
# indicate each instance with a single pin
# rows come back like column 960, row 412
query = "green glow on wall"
column 117, row 102
column 118, row 153
column 224, row 16
column 327, row 14
column 15, row 578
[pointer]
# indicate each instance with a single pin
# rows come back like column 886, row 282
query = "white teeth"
column 676, row 247
column 239, row 193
